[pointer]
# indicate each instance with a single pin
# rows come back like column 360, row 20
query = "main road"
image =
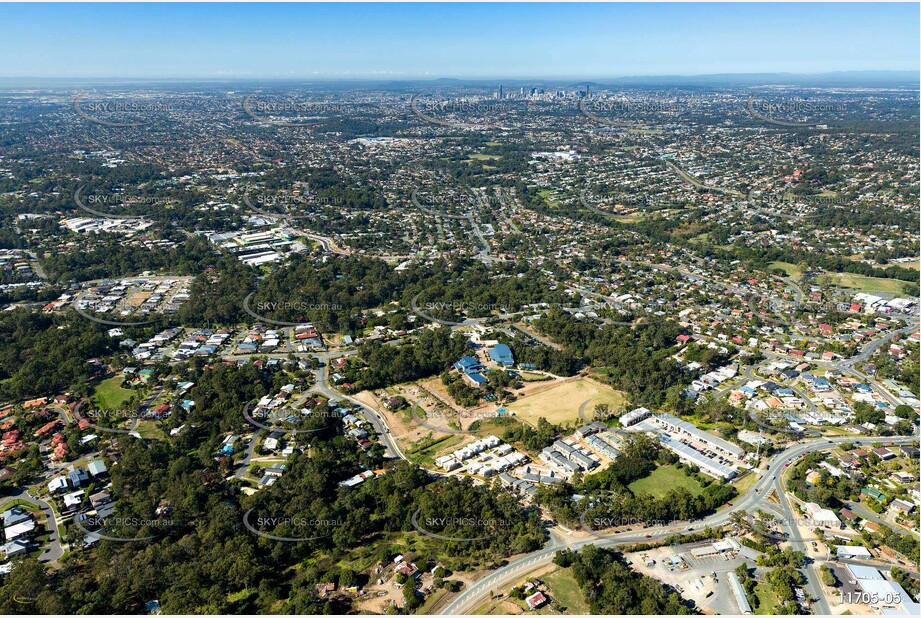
column 477, row 593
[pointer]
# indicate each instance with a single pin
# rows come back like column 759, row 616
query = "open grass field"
column 424, row 452
column 565, row 592
column 664, row 479
column 109, row 394
column 767, row 601
column 549, row 197
column 746, row 482
column 478, row 156
column 863, row 284
column 560, row 404
column 150, row 430
column 792, row 270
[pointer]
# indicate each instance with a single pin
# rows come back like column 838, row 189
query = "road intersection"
column 479, row 592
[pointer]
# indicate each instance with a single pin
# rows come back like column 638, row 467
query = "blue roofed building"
column 502, row 354
column 472, row 370
column 78, row 476
column 468, row 364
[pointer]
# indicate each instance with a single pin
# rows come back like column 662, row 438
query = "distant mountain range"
column 851, row 79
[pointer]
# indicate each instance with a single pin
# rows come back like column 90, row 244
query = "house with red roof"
column 535, row 600
column 41, row 431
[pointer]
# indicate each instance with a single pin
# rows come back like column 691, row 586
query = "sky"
column 409, row 41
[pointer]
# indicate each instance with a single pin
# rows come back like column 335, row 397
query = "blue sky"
column 452, row 40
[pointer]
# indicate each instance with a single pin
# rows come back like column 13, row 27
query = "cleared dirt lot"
column 694, row 578
column 559, row 402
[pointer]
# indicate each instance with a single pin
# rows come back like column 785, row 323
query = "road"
column 54, row 550
column 39, row 271
column 329, row 245
column 375, row 418
column 694, row 181
column 478, row 593
column 813, row 586
column 870, row 348
column 321, row 385
column 247, row 455
column 866, row 513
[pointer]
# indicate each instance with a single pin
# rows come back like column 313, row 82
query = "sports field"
column 560, row 404
column 862, row 283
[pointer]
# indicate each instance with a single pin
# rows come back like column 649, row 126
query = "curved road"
column 372, row 416
column 54, row 549
column 477, row 593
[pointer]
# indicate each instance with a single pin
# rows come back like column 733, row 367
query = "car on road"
column 648, row 536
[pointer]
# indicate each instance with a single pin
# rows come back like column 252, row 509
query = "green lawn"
column 862, row 283
column 792, row 270
column 549, row 197
column 746, row 482
column 767, row 601
column 565, row 592
column 664, row 479
column 109, row 394
column 25, row 505
column 150, row 430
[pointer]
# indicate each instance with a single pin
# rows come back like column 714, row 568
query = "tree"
column 410, row 596
column 828, row 577
column 347, row 578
